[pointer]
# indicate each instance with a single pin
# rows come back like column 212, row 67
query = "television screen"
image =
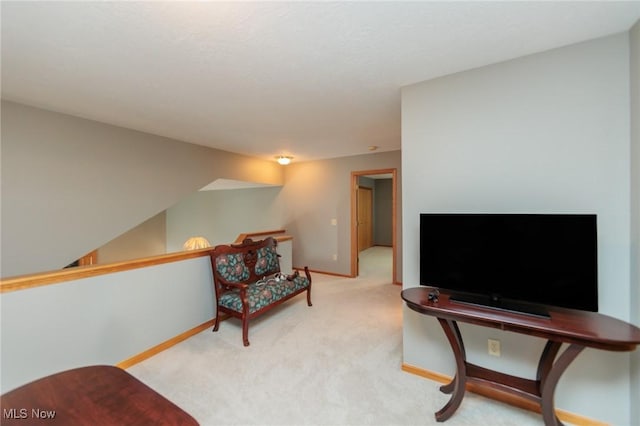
column 512, row 261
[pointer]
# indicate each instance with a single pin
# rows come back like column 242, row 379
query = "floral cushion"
column 231, row 267
column 267, row 262
column 263, row 293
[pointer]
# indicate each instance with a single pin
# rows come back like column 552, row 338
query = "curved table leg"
column 457, row 386
column 546, row 360
column 549, row 375
column 450, row 387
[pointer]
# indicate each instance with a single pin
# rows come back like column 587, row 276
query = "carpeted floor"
column 335, row 363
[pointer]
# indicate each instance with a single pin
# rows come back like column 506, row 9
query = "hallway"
column 376, row 262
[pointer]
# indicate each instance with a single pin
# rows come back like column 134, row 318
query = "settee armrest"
column 239, row 286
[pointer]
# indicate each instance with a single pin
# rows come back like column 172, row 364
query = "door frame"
column 354, row 217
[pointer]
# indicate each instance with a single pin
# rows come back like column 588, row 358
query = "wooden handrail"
column 242, row 237
column 23, row 282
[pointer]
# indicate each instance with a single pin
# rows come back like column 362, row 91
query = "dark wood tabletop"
column 590, row 329
column 95, row 395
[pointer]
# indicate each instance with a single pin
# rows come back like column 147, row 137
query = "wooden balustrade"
column 23, row 282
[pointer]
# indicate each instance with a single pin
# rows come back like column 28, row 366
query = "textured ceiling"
column 312, row 80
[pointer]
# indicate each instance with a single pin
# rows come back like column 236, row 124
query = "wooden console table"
column 96, row 395
column 578, row 329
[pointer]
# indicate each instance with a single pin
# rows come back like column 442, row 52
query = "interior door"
column 365, row 218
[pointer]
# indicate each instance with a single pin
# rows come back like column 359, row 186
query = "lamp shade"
column 195, row 243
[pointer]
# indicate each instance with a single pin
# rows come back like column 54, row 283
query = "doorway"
column 363, row 229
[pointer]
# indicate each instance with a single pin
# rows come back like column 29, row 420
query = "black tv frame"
column 574, row 234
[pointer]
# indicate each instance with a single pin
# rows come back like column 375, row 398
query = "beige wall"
column 221, row 215
column 70, row 185
column 317, row 192
column 147, row 239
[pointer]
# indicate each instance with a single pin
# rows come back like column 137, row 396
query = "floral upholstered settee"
column 248, row 281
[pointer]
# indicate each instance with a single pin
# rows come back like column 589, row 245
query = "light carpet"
column 335, row 363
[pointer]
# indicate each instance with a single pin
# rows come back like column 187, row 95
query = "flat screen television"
column 516, row 262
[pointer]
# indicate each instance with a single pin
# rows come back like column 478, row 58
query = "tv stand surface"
column 504, row 305
column 579, row 329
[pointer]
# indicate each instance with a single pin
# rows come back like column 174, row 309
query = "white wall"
column 539, row 134
column 101, row 320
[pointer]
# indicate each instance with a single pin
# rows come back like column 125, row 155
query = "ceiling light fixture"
column 284, row 159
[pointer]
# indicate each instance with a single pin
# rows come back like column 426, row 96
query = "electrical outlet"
column 494, row 347
column 334, row 257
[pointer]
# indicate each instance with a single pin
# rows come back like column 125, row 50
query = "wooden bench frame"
column 248, row 249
